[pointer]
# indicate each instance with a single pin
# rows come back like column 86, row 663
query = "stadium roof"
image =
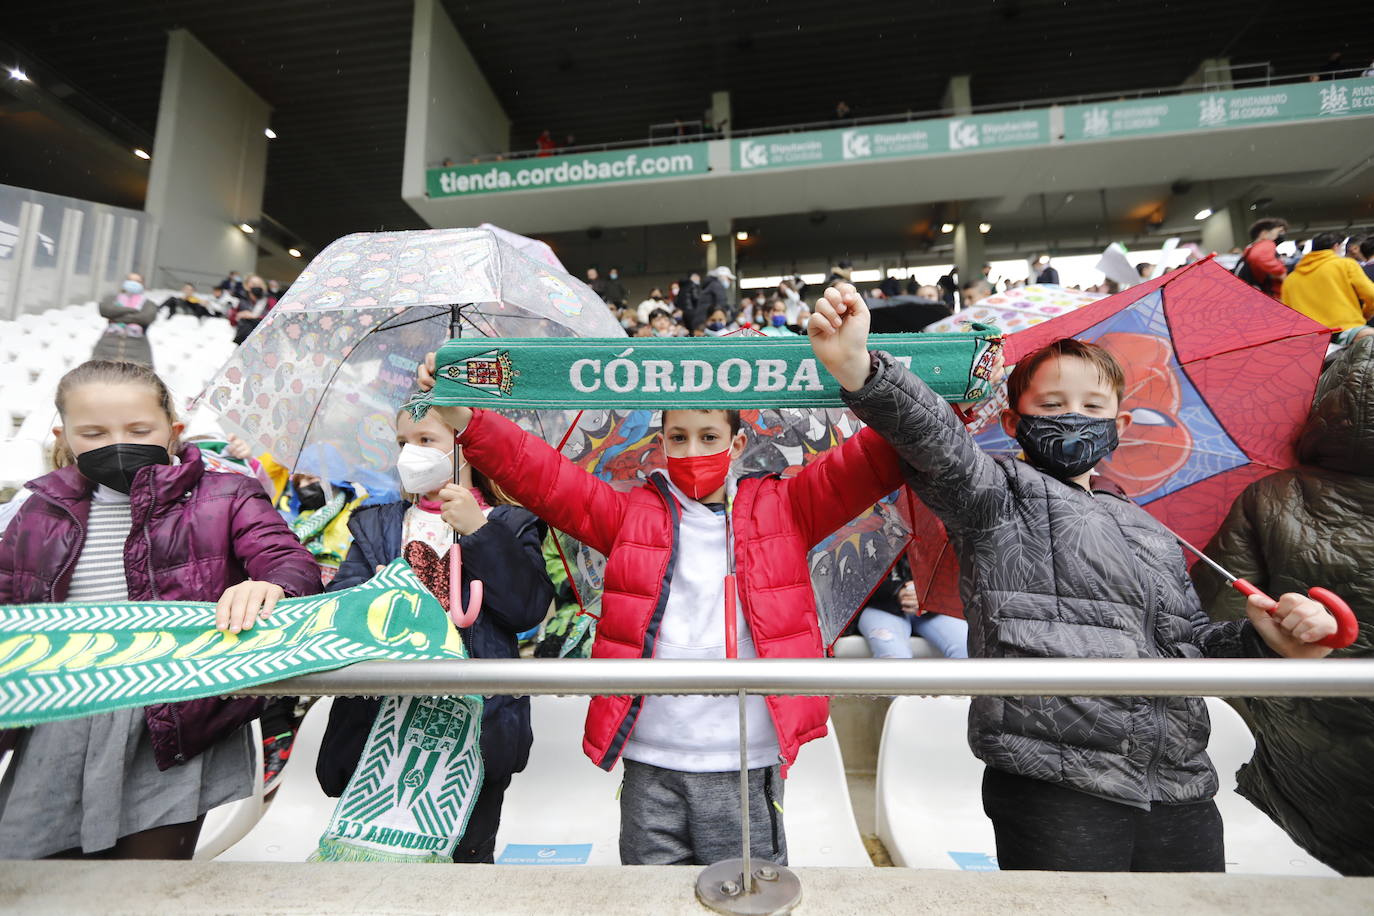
column 337, row 71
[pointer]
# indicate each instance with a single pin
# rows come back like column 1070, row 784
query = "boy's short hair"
column 1265, row 224
column 1324, row 240
column 1097, row 356
column 731, row 416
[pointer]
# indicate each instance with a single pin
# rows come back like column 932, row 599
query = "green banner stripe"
column 689, row 372
column 64, row 661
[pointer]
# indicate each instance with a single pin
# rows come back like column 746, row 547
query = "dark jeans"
column 1041, row 826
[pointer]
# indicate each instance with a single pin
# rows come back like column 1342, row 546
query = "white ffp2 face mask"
column 424, row 469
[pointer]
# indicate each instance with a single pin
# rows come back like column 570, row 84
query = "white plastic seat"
column 226, row 825
column 929, row 787
column 857, row 647
column 20, row 460
column 1255, row 845
column 819, row 818
column 562, row 798
column 290, row 829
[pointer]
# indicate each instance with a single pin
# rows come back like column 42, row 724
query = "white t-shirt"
column 700, row 734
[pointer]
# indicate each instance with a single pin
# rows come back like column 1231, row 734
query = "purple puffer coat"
column 195, row 533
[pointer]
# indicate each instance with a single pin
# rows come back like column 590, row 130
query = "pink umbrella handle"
column 461, row 618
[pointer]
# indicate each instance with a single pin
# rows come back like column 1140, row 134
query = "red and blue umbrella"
column 1219, row 381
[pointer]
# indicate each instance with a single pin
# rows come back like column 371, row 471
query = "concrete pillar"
column 968, row 247
column 67, row 244
column 100, row 252
column 959, row 95
column 1226, row 228
column 128, row 238
column 451, row 111
column 30, row 218
column 720, row 111
column 209, row 164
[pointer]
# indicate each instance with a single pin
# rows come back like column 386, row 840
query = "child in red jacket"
column 670, row 545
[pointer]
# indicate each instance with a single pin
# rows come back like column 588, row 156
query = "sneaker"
column 275, row 752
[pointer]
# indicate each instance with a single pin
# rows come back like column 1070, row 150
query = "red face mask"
column 699, row 475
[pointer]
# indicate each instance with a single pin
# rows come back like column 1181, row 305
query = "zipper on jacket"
column 1157, row 711
column 71, row 561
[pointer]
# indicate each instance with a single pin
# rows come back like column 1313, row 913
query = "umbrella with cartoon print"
column 320, row 381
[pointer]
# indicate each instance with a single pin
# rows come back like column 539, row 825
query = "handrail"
column 910, row 115
column 842, row 677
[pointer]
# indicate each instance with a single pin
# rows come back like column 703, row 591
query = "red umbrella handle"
column 456, row 613
column 731, row 625
column 1347, row 625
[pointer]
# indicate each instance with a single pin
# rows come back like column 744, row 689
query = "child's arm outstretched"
column 946, row 468
column 528, row 468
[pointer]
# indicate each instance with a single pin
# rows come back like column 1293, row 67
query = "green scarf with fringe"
column 415, row 786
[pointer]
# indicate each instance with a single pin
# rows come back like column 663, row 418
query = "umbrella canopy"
column 1018, row 309
column 539, row 251
column 319, row 382
column 1219, row 381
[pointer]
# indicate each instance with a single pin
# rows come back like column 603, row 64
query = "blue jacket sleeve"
column 507, row 555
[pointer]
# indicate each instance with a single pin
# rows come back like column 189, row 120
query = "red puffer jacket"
column 195, row 533
column 776, row 522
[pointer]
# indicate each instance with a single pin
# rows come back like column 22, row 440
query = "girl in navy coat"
column 501, row 547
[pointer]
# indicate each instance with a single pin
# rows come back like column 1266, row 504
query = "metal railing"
column 1266, row 78
column 843, row 677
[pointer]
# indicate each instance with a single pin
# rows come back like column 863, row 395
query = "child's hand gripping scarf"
column 421, row 770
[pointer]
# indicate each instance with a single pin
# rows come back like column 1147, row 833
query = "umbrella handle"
column 460, row 617
column 731, row 624
column 1347, row 625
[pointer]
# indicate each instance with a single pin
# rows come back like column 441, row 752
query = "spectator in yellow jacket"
column 1331, row 290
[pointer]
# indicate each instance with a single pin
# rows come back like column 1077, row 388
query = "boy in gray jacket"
column 1053, row 566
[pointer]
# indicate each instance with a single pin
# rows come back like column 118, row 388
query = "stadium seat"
column 562, row 799
column 1255, row 845
column 226, row 825
column 929, row 788
column 821, row 829
column 857, row 647
column 20, row 460
column 289, row 830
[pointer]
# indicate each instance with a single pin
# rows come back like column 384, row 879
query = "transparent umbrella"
column 319, row 383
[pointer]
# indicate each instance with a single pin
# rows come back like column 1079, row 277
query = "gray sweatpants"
column 668, row 817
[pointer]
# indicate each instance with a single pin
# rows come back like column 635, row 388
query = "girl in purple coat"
column 132, row 515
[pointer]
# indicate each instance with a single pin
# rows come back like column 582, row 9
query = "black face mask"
column 1280, row 239
column 115, row 465
column 311, row 495
column 257, row 291
column 1067, row 444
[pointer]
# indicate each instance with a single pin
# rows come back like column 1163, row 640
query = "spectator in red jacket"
column 1266, row 270
column 674, row 547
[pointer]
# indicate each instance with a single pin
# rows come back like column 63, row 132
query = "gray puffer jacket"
column 1046, row 570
